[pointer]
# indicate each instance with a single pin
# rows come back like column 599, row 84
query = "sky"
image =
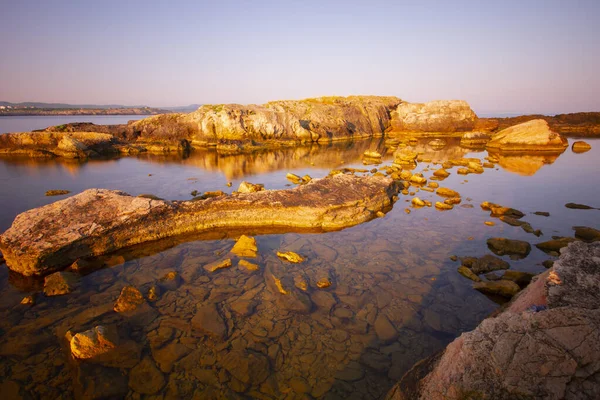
column 505, row 56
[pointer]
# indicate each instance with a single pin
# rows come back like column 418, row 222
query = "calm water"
column 397, row 266
column 29, row 123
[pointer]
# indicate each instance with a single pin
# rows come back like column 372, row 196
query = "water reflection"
column 395, row 295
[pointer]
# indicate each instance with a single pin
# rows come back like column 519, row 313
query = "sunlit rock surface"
column 99, row 221
column 434, row 116
column 530, row 136
column 545, row 345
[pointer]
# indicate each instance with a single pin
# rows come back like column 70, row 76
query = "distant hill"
column 183, row 109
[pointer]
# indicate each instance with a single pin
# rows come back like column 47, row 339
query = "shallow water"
column 397, row 266
column 28, row 123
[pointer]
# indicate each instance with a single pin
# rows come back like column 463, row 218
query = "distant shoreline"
column 81, row 111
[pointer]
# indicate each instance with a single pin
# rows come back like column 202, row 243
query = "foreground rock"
column 580, row 147
column 94, row 342
column 434, row 116
column 503, row 246
column 103, row 221
column 546, row 344
column 532, row 136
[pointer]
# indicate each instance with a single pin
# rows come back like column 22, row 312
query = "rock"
column 245, row 247
column 531, row 136
column 60, row 283
column 540, row 346
column 520, row 278
column 463, row 171
column 294, row 178
column 386, row 332
column 153, row 293
column 290, row 256
column 106, row 221
column 511, row 221
column 352, row 372
column 94, row 342
column 208, row 321
column 433, row 185
column 488, row 263
column 28, row 300
column 323, row 300
column 467, row 273
column 555, row 244
column 57, row 192
column 247, row 266
column 247, row 187
column 97, row 382
column 441, row 173
column 405, row 156
column 323, row 283
column 217, row 265
column 445, row 192
column 475, row 139
column 502, row 288
column 576, row 206
column 145, row 378
column 542, row 213
column 548, row 263
column 502, row 246
column 587, row 234
column 419, row 180
column 418, row 202
column 246, row 366
column 507, row 212
column 443, row 206
column 129, row 299
column 434, row 116
column 437, row 143
column 453, row 201
column 371, row 154
column 580, row 147
column 166, row 356
column 489, row 223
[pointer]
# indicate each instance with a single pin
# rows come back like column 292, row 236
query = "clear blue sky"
column 501, row 56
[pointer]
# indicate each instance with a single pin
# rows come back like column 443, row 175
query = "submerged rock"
column 60, row 283
column 502, row 288
column 208, row 321
column 520, row 278
column 217, row 265
column 103, row 221
column 145, row 378
column 555, row 245
column 587, row 234
column 129, row 299
column 576, row 206
column 290, row 256
column 502, row 246
column 467, row 273
column 531, row 136
column 488, row 263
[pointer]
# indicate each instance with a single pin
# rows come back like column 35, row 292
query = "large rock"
column 502, row 246
column 545, row 345
column 434, row 116
column 102, row 221
column 532, row 136
column 94, row 342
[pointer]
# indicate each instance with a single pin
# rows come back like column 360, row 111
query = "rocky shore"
column 544, row 344
column 234, row 128
column 103, row 221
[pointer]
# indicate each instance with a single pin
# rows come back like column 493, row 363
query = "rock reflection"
column 525, row 164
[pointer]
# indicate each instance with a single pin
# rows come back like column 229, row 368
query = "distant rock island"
column 42, row 109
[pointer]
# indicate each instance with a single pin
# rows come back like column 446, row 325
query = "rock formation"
column 532, row 136
column 102, row 221
column 546, row 344
column 434, row 116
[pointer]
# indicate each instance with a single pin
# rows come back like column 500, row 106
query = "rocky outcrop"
column 546, row 344
column 434, row 116
column 532, row 136
column 103, row 221
column 583, row 124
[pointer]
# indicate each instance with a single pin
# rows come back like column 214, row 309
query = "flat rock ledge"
column 544, row 345
column 99, row 221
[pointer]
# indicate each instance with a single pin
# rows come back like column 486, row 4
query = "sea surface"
column 29, row 123
column 395, row 268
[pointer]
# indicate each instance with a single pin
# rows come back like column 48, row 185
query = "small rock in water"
column 290, row 256
column 60, row 283
column 488, row 263
column 502, row 246
column 323, row 283
column 490, row 223
column 371, row 154
column 453, row 200
column 407, row 210
column 94, row 342
column 129, row 299
column 501, row 288
column 542, row 213
column 520, row 278
column 229, row 184
column 548, row 263
column 454, row 258
column 433, row 185
column 555, row 245
column 57, row 192
column 441, row 173
column 214, row 266
column 443, row 206
column 28, row 300
column 418, row 202
column 587, row 234
column 247, row 187
column 580, row 147
column 247, row 266
column 153, row 293
column 445, row 192
column 576, row 206
column 294, row 178
column 245, row 247
column 467, row 273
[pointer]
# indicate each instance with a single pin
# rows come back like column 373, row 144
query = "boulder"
column 129, row 299
column 247, row 187
column 436, row 116
column 531, row 136
column 101, row 221
column 502, row 246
